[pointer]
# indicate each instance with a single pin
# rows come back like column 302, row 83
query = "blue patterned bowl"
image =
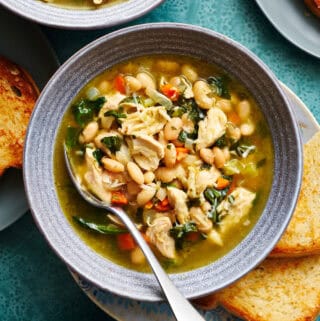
column 53, row 16
column 167, row 38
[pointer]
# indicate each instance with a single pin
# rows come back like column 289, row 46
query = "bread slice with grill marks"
column 18, row 94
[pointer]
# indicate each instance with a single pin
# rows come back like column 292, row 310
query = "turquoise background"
column 34, row 284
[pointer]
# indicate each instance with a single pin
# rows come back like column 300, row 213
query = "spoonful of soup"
column 181, row 307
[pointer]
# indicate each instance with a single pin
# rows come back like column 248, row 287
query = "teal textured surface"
column 34, row 284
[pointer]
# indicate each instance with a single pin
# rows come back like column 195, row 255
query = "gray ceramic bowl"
column 145, row 40
column 53, row 16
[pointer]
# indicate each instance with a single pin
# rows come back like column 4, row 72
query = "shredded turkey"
column 211, row 128
column 147, row 152
column 158, row 233
column 178, row 199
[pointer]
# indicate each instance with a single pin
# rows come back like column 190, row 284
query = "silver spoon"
column 180, row 306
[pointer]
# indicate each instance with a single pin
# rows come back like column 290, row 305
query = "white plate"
column 295, row 22
column 22, row 42
column 123, row 309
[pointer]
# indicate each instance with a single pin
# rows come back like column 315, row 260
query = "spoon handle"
column 181, row 307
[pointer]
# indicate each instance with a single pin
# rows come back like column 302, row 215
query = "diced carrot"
column 118, row 198
column 233, row 185
column 182, row 152
column 170, row 91
column 126, row 242
column 163, row 205
column 148, row 205
column 120, row 84
column 222, row 183
column 146, row 238
column 234, row 118
column 192, row 236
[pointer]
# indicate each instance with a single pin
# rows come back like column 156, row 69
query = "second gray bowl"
column 166, row 38
column 55, row 16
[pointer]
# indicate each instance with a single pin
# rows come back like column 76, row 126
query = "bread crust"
column 302, row 237
column 278, row 289
column 313, row 7
column 18, row 94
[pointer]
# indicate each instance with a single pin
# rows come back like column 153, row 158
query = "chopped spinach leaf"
column 221, row 142
column 185, row 105
column 183, row 136
column 117, row 114
column 206, row 166
column 180, row 230
column 112, row 142
column 85, row 110
column 72, row 137
column 261, row 162
column 219, row 85
column 100, row 228
column 98, row 154
column 193, row 202
column 215, row 197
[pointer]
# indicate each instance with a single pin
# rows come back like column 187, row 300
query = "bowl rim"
column 175, row 276
column 75, row 19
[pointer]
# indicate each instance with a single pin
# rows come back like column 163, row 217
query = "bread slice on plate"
column 277, row 290
column 18, row 94
column 302, row 236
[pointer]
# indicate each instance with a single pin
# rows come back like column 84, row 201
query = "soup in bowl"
column 186, row 130
column 181, row 146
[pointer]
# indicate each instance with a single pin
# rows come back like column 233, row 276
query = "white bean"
column 104, row 86
column 175, row 81
column 137, row 256
column 145, row 196
column 233, row 132
column 148, row 177
column 247, row 129
column 167, row 66
column 112, row 165
column 135, row 172
column 172, row 128
column 201, row 91
column 243, row 109
column 146, row 80
column 132, row 84
column 170, row 155
column 189, row 72
column 207, row 155
column 219, row 158
column 89, row 132
column 225, row 105
column 226, row 153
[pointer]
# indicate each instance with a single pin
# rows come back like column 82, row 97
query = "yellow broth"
column 193, row 254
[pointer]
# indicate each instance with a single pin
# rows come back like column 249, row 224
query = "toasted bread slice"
column 18, row 95
column 277, row 290
column 302, row 236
